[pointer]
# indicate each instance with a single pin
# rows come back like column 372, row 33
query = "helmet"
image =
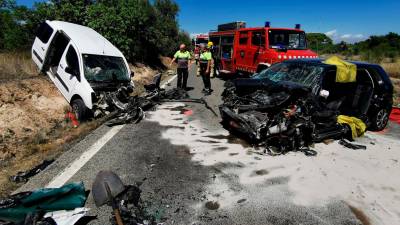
column 210, row 44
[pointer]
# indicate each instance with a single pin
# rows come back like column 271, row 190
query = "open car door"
column 43, row 38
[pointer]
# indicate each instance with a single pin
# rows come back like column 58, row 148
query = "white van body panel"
column 85, row 41
column 39, row 49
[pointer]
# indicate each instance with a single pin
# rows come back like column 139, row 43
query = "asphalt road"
column 183, row 159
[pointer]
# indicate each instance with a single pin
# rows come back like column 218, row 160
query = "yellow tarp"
column 357, row 126
column 346, row 72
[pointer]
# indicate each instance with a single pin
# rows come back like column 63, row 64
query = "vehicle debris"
column 124, row 199
column 22, row 177
column 296, row 103
column 32, row 205
column 120, row 108
column 352, row 145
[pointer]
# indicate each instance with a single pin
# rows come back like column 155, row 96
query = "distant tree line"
column 373, row 49
column 141, row 29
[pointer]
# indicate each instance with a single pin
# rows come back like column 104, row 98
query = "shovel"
column 106, row 187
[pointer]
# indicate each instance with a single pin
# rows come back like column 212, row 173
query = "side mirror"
column 132, row 74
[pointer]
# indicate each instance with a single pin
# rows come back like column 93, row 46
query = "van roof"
column 87, row 40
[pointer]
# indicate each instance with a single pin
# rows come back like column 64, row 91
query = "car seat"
column 357, row 102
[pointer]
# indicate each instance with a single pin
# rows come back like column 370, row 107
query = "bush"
column 141, row 29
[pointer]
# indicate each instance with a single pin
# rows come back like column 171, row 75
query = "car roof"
column 321, row 62
column 87, row 40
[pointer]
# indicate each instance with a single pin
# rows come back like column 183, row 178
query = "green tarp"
column 67, row 197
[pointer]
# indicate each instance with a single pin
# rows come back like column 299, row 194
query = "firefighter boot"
column 212, row 75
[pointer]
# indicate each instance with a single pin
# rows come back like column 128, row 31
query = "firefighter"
column 205, row 59
column 212, row 49
column 183, row 59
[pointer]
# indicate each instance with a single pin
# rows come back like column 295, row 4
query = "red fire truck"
column 238, row 49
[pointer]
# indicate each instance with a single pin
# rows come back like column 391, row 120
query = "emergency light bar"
column 267, row 24
column 297, row 26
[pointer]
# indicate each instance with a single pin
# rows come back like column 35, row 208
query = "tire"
column 380, row 120
column 80, row 110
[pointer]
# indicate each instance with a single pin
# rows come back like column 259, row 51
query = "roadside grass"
column 16, row 65
column 392, row 68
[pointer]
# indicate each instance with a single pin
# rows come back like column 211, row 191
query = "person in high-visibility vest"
column 212, row 49
column 205, row 59
column 183, row 59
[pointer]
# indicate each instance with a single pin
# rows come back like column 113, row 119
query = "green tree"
column 166, row 26
column 320, row 43
column 13, row 32
column 127, row 24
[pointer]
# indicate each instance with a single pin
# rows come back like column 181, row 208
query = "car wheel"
column 380, row 120
column 79, row 109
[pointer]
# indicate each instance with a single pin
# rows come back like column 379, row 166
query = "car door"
column 68, row 72
column 42, row 41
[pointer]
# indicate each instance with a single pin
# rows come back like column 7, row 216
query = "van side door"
column 68, row 72
column 43, row 38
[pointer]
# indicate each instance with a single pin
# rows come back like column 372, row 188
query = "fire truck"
column 242, row 50
column 196, row 41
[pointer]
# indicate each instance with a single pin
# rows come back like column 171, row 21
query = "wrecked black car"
column 293, row 104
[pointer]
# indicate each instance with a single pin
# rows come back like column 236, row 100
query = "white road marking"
column 168, row 82
column 76, row 165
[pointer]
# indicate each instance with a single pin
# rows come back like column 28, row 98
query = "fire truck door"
column 256, row 49
column 241, row 52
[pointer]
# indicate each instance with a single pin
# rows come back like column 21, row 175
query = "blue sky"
column 349, row 20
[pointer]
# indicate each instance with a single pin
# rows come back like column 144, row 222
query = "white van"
column 80, row 62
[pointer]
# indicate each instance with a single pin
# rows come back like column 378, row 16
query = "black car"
column 308, row 88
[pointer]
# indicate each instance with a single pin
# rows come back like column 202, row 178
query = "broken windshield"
column 100, row 68
column 304, row 74
column 289, row 39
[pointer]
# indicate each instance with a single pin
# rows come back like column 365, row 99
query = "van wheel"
column 80, row 110
column 380, row 120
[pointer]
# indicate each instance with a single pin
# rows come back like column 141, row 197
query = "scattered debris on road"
column 129, row 109
column 22, row 177
column 352, row 145
column 124, row 199
column 33, row 206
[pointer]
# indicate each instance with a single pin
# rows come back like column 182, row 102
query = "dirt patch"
column 30, row 110
column 360, row 215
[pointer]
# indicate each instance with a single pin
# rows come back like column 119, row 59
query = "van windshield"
column 100, row 68
column 289, row 39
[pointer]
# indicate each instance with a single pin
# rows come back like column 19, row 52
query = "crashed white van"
column 80, row 62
